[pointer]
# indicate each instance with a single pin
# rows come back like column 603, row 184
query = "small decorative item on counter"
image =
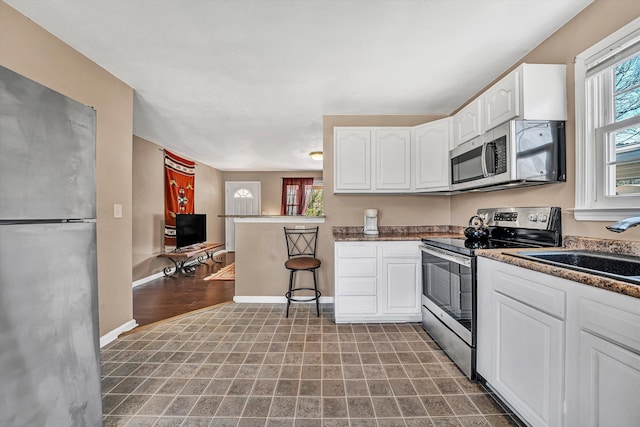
column 477, row 229
column 371, row 221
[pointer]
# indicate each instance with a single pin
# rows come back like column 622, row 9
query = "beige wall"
column 148, row 206
column 596, row 22
column 270, row 185
column 33, row 52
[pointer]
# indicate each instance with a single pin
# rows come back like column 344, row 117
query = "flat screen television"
column 190, row 229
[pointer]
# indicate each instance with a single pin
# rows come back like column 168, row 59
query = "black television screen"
column 190, row 229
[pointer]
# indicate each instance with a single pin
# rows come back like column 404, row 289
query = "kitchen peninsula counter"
column 275, row 218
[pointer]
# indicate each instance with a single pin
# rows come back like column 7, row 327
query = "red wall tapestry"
column 179, row 190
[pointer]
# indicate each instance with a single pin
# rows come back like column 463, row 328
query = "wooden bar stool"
column 301, row 251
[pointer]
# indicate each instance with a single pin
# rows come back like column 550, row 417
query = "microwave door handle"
column 489, row 153
column 483, row 157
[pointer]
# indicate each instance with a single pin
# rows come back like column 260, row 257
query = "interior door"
column 241, row 198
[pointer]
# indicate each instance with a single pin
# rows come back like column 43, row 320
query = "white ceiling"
column 243, row 84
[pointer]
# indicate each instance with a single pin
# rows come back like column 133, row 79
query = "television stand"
column 182, row 258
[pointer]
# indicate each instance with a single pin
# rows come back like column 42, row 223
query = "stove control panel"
column 538, row 218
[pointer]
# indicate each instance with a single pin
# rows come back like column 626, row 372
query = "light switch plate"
column 117, row 210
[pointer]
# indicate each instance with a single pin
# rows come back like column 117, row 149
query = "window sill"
column 611, row 214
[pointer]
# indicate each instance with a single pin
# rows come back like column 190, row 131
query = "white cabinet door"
column 352, row 159
column 431, row 160
column 392, row 169
column 400, row 284
column 610, row 381
column 467, row 123
column 529, row 361
column 502, row 101
column 608, row 378
column 521, row 339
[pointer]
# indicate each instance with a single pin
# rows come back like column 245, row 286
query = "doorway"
column 241, row 198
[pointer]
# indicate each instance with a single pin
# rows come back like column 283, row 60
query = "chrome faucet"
column 624, row 224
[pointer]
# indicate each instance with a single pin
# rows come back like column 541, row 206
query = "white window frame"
column 590, row 203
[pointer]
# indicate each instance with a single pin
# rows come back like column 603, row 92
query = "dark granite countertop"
column 575, row 242
column 395, row 233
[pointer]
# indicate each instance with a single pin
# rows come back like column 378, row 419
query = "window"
column 243, row 193
column 608, row 127
column 314, row 204
column 302, row 196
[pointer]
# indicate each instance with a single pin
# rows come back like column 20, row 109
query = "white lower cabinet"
column 608, row 372
column 522, row 353
column 377, row 281
column 609, row 383
column 559, row 353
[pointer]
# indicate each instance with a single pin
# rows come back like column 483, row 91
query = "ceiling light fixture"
column 316, row 155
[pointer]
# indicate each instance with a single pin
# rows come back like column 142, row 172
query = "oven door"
column 448, row 290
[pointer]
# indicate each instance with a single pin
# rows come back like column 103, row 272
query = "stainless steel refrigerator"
column 49, row 344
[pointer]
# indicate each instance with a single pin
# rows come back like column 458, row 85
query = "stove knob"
column 533, row 218
column 542, row 218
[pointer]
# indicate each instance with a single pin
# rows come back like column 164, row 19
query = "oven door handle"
column 441, row 253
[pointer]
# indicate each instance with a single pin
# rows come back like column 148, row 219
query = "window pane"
column 628, row 104
column 627, row 89
column 243, row 193
column 292, row 207
column 314, row 207
column 625, row 165
column 627, row 144
column 627, row 178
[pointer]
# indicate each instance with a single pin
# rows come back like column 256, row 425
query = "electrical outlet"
column 117, row 210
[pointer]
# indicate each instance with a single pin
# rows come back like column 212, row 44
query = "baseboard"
column 160, row 274
column 274, row 300
column 147, row 279
column 111, row 336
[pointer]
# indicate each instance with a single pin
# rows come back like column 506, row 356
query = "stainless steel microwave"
column 516, row 153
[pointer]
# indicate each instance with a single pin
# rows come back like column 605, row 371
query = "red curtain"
column 179, row 190
column 295, row 192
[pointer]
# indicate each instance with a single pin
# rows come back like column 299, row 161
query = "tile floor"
column 247, row 365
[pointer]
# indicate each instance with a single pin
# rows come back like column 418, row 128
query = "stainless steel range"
column 449, row 274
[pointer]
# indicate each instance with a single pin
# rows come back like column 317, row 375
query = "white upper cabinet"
column 530, row 92
column 352, row 159
column 467, row 124
column 392, row 158
column 431, row 155
column 372, row 160
column 416, row 159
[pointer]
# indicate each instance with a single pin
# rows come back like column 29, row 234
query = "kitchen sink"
column 620, row 267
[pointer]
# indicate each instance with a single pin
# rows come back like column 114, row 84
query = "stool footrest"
column 308, row 298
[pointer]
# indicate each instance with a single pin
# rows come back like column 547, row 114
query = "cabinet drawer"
column 401, row 250
column 357, row 267
column 356, row 286
column 534, row 294
column 357, row 305
column 356, row 251
column 615, row 323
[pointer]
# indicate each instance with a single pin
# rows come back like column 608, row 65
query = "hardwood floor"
column 167, row 297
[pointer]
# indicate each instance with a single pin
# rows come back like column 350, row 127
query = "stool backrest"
column 301, row 241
